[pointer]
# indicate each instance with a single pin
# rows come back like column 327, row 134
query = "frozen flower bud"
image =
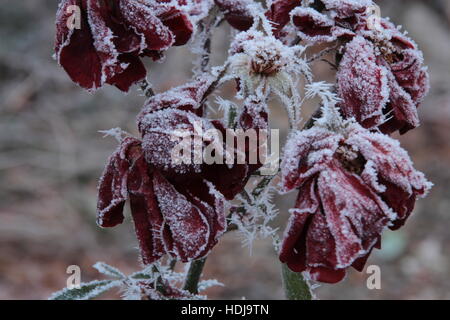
column 257, row 59
column 353, row 184
column 112, row 36
column 266, row 55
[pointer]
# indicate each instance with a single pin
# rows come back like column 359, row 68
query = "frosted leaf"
column 206, row 284
column 108, row 270
column 87, row 291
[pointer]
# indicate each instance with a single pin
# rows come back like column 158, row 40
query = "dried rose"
column 183, row 220
column 113, row 35
column 382, row 89
column 353, row 184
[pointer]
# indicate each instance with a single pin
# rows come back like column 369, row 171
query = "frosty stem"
column 193, row 275
column 295, row 286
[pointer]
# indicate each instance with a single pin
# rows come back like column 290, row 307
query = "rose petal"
column 236, row 13
column 146, row 213
column 187, row 230
column 362, row 84
column 112, row 190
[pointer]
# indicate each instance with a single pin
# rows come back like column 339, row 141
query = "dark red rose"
column 236, row 13
column 112, row 38
column 184, row 221
column 181, row 109
column 177, row 207
column 353, row 184
column 382, row 89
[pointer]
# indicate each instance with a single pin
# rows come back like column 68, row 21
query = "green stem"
column 193, row 275
column 295, row 286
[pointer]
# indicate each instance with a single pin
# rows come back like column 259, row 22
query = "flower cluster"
column 354, row 180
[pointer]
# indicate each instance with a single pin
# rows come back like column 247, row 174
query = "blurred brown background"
column 51, row 155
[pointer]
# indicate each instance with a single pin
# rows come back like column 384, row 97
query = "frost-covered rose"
column 353, row 184
column 381, row 77
column 112, row 38
column 182, row 219
column 178, row 208
column 382, row 85
column 180, row 110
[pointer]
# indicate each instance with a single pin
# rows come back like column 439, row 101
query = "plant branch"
column 193, row 275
